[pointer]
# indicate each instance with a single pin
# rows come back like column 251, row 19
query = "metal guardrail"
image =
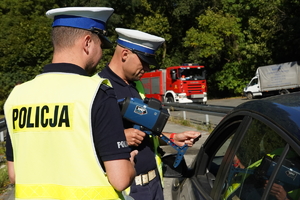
column 3, row 129
column 2, row 124
column 206, row 109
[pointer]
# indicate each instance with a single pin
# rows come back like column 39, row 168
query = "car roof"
column 283, row 110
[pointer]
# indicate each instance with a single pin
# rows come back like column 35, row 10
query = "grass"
column 185, row 122
column 4, row 180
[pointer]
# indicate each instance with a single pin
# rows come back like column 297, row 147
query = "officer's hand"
column 277, row 191
column 132, row 156
column 134, row 137
column 187, row 137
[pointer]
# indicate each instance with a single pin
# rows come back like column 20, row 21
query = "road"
column 206, row 118
column 228, row 102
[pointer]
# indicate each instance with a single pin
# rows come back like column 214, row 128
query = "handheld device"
column 149, row 117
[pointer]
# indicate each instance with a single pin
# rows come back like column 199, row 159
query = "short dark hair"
column 64, row 37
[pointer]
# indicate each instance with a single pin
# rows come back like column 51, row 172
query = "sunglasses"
column 98, row 31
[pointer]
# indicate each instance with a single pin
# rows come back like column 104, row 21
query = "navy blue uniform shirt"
column 145, row 159
column 107, row 128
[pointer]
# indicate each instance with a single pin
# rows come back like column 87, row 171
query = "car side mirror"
column 169, row 171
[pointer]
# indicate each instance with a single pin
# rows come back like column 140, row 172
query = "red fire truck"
column 180, row 84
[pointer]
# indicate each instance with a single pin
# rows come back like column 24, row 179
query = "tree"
column 25, row 42
column 236, row 36
column 218, row 40
column 230, row 37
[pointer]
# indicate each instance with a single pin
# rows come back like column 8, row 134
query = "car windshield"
column 253, row 82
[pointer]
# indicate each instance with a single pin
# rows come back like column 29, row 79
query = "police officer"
column 134, row 53
column 61, row 123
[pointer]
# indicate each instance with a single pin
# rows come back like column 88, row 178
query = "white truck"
column 274, row 79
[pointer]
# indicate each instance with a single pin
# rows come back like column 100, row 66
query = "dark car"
column 252, row 154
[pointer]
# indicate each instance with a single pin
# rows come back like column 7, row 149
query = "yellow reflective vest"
column 49, row 121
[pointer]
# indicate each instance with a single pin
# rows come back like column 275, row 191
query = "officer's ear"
column 124, row 54
column 86, row 43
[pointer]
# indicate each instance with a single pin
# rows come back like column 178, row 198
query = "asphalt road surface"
column 209, row 118
column 228, row 102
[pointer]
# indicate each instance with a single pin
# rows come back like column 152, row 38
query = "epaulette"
column 105, row 87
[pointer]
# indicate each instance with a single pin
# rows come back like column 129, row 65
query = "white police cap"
column 141, row 43
column 88, row 18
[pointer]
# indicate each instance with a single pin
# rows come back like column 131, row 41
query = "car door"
column 256, row 157
column 264, row 151
column 253, row 86
column 205, row 167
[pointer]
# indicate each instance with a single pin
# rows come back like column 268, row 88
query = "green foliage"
column 230, row 37
column 231, row 78
column 4, row 180
column 25, row 42
column 217, row 33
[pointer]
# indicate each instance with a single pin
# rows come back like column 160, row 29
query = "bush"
column 4, row 179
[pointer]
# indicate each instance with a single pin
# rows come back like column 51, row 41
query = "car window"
column 221, row 144
column 253, row 163
column 211, row 155
column 216, row 162
column 287, row 181
column 253, row 82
